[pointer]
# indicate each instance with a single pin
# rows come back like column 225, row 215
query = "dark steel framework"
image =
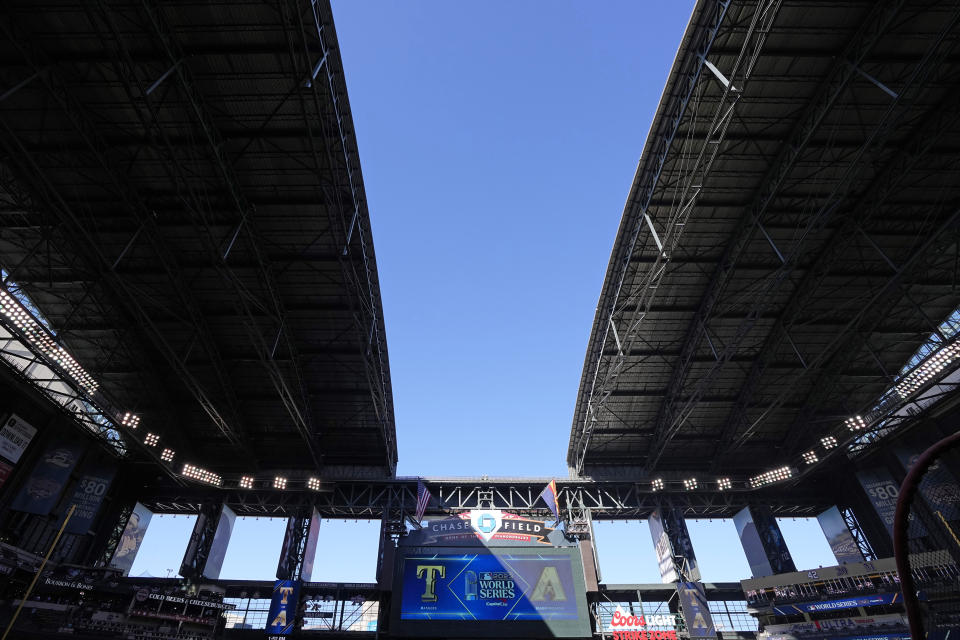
column 293, row 552
column 201, row 541
column 181, row 196
column 395, row 500
column 789, row 241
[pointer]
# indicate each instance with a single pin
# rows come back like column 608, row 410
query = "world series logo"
column 492, row 585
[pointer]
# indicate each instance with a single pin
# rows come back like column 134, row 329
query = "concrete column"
column 762, row 542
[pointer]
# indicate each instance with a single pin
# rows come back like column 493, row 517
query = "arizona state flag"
column 549, row 495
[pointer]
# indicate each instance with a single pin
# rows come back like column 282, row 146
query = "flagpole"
column 36, row 577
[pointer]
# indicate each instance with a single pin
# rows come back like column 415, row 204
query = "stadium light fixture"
column 130, row 420
column 657, row 485
column 775, row 475
column 828, row 442
column 810, row 457
column 39, row 336
column 151, row 440
column 167, row 455
column 724, row 483
column 690, row 484
column 246, row 482
column 856, row 423
column 313, row 484
column 279, row 482
column 928, row 370
column 202, row 475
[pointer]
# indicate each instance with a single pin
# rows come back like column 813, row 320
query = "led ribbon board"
column 833, row 605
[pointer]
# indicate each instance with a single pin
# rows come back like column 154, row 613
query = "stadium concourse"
column 190, row 292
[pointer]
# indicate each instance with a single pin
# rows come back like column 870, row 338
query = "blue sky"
column 498, row 143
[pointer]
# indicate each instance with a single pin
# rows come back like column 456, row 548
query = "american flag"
column 423, row 499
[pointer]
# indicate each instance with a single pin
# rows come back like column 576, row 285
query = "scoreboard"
column 481, row 591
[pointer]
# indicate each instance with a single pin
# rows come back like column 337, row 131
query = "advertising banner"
column 283, row 607
column 695, row 610
column 49, row 478
column 482, row 586
column 838, row 626
column 882, row 490
column 89, row 495
column 131, row 538
column 15, row 436
column 661, row 544
column 838, row 536
column 873, row 636
column 939, row 487
column 218, row 548
column 310, row 552
column 752, row 546
column 629, row 626
column 488, row 528
column 833, row 605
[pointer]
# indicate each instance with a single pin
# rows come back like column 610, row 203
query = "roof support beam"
column 304, row 36
column 605, row 500
column 600, row 375
column 294, row 400
column 850, row 341
column 20, row 85
column 671, row 416
column 120, row 185
column 887, row 183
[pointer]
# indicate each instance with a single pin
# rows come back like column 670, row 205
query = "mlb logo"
column 486, row 575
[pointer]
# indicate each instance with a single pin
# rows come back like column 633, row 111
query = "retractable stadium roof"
column 789, row 241
column 182, row 199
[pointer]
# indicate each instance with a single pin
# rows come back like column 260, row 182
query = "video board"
column 490, row 592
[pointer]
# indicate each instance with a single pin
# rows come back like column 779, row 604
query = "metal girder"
column 293, row 399
column 704, row 152
column 345, row 216
column 293, row 552
column 370, row 500
column 106, row 266
column 91, row 410
column 887, row 182
column 115, row 535
column 31, row 368
column 841, row 350
column 201, row 540
column 853, row 526
column 870, row 32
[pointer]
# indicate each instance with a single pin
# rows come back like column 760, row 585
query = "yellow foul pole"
column 33, row 583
